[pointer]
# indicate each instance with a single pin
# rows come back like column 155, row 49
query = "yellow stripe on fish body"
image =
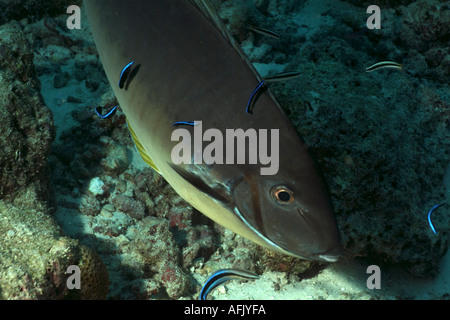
column 140, row 148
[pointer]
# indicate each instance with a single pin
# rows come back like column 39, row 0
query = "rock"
column 92, row 84
column 89, row 206
column 133, row 208
column 59, row 54
column 117, row 159
column 161, row 255
column 26, row 123
column 60, row 81
column 73, row 99
column 96, row 186
column 35, row 256
column 107, row 210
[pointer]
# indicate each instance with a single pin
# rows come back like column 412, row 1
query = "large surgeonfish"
column 191, row 69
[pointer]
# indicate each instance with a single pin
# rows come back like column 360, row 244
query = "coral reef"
column 35, row 256
column 25, row 121
column 94, row 276
column 161, row 254
column 382, row 154
column 425, row 31
column 129, row 210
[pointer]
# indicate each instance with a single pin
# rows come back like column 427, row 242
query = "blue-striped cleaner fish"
column 191, row 69
column 224, row 275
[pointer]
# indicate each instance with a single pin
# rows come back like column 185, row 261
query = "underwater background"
column 74, row 191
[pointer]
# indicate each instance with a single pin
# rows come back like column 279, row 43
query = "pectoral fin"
column 216, row 191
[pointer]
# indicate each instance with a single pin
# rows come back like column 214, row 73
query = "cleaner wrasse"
column 190, row 68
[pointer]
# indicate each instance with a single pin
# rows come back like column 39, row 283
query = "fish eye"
column 282, row 195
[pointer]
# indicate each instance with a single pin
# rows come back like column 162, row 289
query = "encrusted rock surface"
column 34, row 254
column 25, row 122
column 35, row 257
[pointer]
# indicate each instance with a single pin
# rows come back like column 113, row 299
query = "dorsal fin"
column 140, row 148
column 207, row 9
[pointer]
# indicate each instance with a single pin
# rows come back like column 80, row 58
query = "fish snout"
column 320, row 238
column 327, row 253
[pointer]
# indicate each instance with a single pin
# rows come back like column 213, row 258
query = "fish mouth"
column 331, row 255
column 328, row 258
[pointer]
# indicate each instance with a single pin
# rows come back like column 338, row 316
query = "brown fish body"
column 189, row 71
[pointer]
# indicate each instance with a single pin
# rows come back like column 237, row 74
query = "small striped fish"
column 224, row 275
column 265, row 32
column 383, row 65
